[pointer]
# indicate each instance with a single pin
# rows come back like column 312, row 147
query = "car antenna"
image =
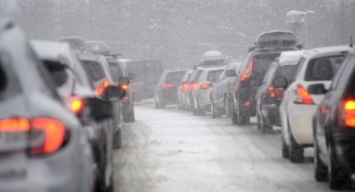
column 351, row 41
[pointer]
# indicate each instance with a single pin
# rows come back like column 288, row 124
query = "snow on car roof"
column 212, row 68
column 97, row 47
column 51, row 50
column 213, row 55
column 324, row 51
column 290, row 57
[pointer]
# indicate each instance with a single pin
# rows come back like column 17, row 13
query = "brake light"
column 185, row 87
column 247, row 104
column 303, row 96
column 206, row 85
column 14, row 125
column 349, row 113
column 76, row 105
column 247, row 73
column 167, row 85
column 54, row 131
column 125, row 87
column 46, row 135
column 275, row 92
column 101, row 89
column 193, row 85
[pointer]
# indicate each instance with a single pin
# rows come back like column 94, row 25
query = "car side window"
column 346, row 75
column 338, row 76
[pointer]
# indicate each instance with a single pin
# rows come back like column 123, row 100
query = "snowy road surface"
column 167, row 150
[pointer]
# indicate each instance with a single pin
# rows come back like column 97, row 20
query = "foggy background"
column 178, row 32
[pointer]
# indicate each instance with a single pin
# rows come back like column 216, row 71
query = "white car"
column 202, row 92
column 316, row 66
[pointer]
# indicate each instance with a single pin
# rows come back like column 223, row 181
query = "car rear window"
column 287, row 71
column 261, row 64
column 94, row 70
column 324, row 68
column 174, row 77
column 58, row 72
column 213, row 76
column 115, row 71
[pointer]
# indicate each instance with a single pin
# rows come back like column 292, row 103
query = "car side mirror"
column 123, row 80
column 231, row 73
column 317, row 89
column 132, row 76
column 113, row 93
column 280, row 82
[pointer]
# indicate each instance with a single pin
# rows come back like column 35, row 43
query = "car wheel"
column 296, row 151
column 117, row 140
column 320, row 170
column 213, row 110
column 339, row 179
column 285, row 149
column 265, row 127
column 242, row 119
column 129, row 117
column 227, row 107
column 258, row 121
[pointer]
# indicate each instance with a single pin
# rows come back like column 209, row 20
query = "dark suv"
column 250, row 76
column 334, row 128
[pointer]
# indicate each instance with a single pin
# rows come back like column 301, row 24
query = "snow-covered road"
column 167, row 150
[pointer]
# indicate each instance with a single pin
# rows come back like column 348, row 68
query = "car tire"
column 339, row 179
column 285, row 149
column 258, row 122
column 129, row 117
column 320, row 170
column 242, row 119
column 117, row 142
column 215, row 114
column 265, row 127
column 227, row 107
column 296, row 151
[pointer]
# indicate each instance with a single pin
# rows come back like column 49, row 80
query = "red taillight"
column 349, row 113
column 76, row 105
column 167, row 85
column 193, row 85
column 54, row 131
column 14, row 125
column 185, row 87
column 206, row 85
column 246, row 103
column 101, row 89
column 303, row 96
column 275, row 92
column 247, row 73
column 46, row 135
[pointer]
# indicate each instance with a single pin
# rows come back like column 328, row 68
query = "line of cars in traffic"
column 310, row 94
column 62, row 106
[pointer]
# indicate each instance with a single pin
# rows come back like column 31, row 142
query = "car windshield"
column 213, row 76
column 287, row 71
column 115, row 70
column 94, row 70
column 174, row 77
column 261, row 64
column 323, row 69
column 178, row 95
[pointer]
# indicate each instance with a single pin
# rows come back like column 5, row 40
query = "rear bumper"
column 271, row 113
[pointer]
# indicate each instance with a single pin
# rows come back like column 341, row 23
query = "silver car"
column 202, row 92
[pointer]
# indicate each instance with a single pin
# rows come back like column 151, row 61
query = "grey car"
column 42, row 146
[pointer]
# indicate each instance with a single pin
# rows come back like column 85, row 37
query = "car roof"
column 213, row 68
column 290, row 57
column 50, row 49
column 325, row 51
